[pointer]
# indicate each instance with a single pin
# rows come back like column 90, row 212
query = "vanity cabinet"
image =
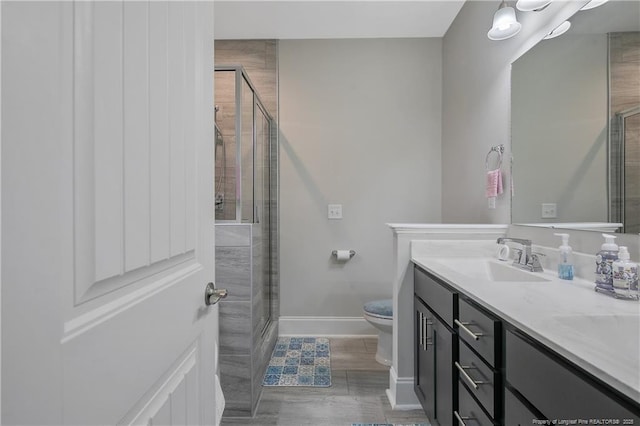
column 560, row 391
column 473, row 368
column 435, row 346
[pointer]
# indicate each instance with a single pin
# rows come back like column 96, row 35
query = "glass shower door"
column 245, row 153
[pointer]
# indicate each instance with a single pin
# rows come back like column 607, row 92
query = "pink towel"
column 494, row 183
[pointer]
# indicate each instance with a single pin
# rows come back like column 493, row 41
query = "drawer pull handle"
column 474, row 336
column 427, row 340
column 467, row 377
column 424, row 332
column 420, row 330
column 424, row 341
column 461, row 419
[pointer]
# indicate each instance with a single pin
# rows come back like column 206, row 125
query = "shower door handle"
column 213, row 295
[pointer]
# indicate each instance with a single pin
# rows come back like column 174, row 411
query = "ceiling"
column 313, row 19
column 614, row 16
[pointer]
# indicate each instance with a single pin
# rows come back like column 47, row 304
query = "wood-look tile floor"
column 357, row 394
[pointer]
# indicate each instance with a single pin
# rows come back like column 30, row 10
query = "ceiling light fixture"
column 532, row 5
column 505, row 24
column 593, row 3
column 558, row 31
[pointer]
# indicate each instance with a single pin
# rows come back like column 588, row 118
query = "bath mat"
column 299, row 361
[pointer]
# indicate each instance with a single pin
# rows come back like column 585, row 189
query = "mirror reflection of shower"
column 624, row 128
column 625, row 161
column 221, row 164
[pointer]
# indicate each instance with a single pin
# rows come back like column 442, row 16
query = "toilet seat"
column 382, row 309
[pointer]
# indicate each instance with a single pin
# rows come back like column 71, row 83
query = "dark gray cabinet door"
column 425, row 359
column 444, row 342
column 434, row 346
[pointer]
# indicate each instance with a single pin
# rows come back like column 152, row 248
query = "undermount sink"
column 490, row 270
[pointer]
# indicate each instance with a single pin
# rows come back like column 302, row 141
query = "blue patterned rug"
column 299, row 361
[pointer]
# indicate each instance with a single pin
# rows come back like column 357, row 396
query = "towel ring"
column 498, row 149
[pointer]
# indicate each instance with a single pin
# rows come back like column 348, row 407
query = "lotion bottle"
column 604, row 264
column 565, row 260
column 625, row 276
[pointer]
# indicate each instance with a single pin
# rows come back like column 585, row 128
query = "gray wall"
column 360, row 126
column 476, row 103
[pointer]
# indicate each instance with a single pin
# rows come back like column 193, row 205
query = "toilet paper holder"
column 351, row 253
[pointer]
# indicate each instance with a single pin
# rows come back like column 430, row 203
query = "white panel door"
column 107, row 213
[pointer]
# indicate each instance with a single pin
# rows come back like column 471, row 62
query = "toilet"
column 379, row 313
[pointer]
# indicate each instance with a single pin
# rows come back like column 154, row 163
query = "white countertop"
column 595, row 331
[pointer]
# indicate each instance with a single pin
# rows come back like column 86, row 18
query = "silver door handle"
column 427, row 340
column 474, row 336
column 424, row 332
column 467, row 377
column 420, row 332
column 212, row 295
column 461, row 419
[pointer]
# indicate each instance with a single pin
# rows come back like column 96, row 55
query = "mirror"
column 575, row 116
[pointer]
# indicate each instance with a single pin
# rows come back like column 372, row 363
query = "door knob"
column 212, row 295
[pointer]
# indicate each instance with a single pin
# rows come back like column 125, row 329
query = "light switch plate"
column 335, row 211
column 549, row 210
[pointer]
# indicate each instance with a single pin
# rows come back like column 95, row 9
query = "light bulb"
column 505, row 24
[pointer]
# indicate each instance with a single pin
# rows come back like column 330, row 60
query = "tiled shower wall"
column 260, row 60
column 244, row 349
column 624, row 89
column 225, row 180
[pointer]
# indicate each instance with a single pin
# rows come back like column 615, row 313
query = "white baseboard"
column 325, row 326
column 401, row 394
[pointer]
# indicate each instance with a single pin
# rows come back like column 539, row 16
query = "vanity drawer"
column 479, row 378
column 439, row 298
column 469, row 412
column 480, row 330
column 557, row 390
column 516, row 413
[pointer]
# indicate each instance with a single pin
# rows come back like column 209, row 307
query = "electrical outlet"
column 549, row 210
column 335, row 211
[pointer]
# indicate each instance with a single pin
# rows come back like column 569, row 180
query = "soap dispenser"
column 625, row 276
column 604, row 264
column 565, row 260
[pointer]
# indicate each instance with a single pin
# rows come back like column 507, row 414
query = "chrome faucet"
column 524, row 258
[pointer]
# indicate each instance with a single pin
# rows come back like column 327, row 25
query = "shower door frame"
column 267, row 235
column 617, row 158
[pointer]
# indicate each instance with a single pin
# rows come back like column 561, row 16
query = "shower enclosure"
column 625, row 169
column 246, row 167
